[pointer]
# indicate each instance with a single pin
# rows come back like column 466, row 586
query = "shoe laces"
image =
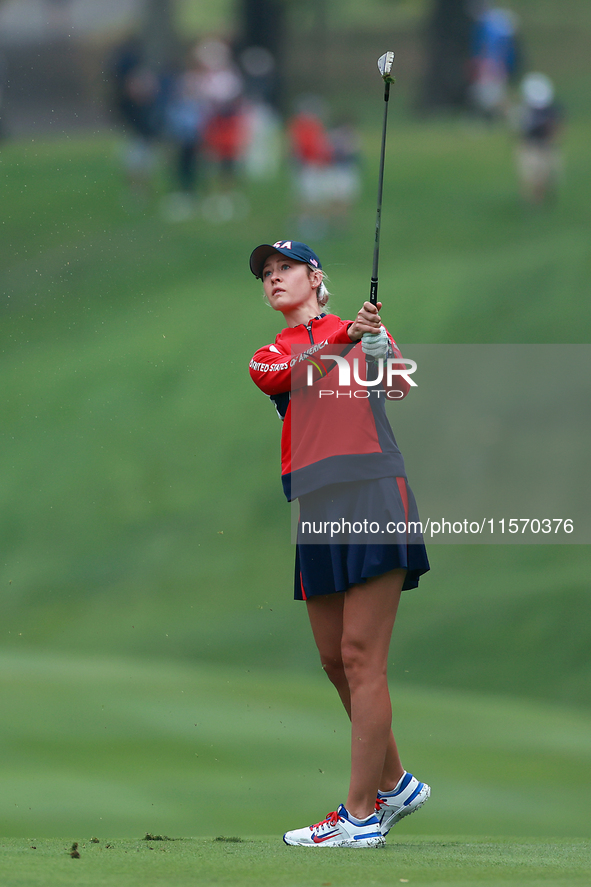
column 331, row 820
column 380, row 802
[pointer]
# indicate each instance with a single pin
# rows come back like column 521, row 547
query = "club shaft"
column 373, row 292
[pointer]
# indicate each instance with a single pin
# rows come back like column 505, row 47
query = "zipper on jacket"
column 309, row 325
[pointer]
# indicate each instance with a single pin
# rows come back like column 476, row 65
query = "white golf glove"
column 376, row 345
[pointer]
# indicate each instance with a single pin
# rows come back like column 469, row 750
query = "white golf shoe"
column 408, row 796
column 337, row 830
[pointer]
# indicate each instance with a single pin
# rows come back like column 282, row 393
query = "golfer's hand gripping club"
column 368, row 322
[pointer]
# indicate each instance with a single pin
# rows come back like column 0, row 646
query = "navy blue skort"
column 354, row 531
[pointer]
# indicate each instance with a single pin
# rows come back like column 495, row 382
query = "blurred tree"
column 446, row 79
column 263, row 23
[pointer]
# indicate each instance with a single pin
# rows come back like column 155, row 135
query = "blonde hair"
column 322, row 294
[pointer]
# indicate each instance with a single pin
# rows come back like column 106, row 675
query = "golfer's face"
column 287, row 283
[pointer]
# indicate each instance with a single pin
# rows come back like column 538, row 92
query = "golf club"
column 385, row 63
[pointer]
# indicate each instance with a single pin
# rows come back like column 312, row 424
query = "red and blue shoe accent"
column 338, row 830
column 408, row 796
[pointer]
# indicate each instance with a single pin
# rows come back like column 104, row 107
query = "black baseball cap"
column 301, row 252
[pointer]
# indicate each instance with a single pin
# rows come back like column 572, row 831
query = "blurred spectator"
column 138, row 99
column 312, row 156
column 225, row 130
column 225, row 138
column 206, row 126
column 346, row 175
column 263, row 138
column 326, row 168
column 494, row 58
column 539, row 119
column 221, row 82
column 185, row 120
column 222, row 89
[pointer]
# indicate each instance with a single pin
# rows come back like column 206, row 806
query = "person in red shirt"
column 225, row 136
column 312, row 156
column 309, row 140
column 340, row 459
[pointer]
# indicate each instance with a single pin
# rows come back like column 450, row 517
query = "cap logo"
column 282, row 244
column 314, row 262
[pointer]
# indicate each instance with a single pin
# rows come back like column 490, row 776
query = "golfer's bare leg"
column 368, row 619
column 326, row 615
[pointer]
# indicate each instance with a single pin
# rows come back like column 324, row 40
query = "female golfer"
column 354, row 553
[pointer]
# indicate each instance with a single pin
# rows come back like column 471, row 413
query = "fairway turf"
column 266, row 862
column 120, row 747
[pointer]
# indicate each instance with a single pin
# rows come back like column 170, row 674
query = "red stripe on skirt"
column 302, row 587
column 401, row 481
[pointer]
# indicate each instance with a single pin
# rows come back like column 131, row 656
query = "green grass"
column 112, row 747
column 196, row 862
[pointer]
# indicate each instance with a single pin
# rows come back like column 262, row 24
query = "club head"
column 385, row 63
